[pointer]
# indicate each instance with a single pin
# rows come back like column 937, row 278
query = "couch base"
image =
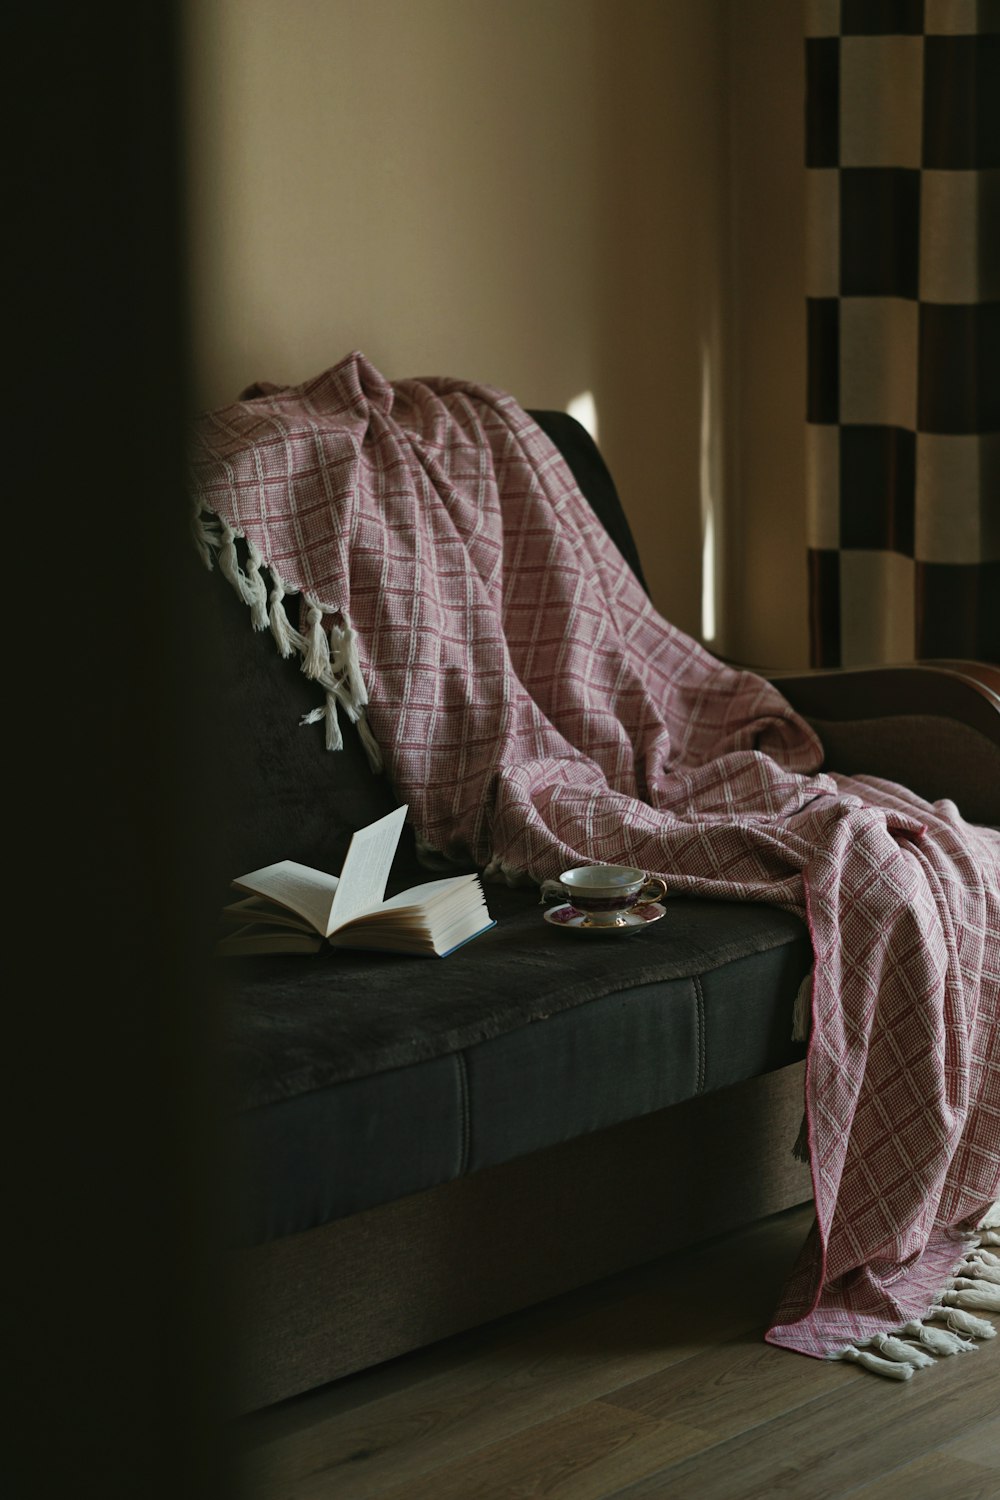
column 325, row 1303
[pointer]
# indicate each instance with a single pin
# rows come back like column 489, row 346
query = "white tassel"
column 337, row 679
column 344, row 658
column 906, row 1354
column 938, row 1340
column 888, row 1367
column 990, row 1237
column 982, row 1270
column 963, row 1322
column 991, row 1219
column 965, row 1292
column 802, row 1011
column 355, row 681
column 229, row 564
column 317, row 657
column 337, row 670
column 334, row 738
column 257, row 589
column 250, row 586
column 285, row 638
column 206, row 535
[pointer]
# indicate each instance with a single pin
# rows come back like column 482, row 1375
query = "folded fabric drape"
column 464, row 607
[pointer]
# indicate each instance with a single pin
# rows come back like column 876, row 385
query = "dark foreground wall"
column 117, row 1365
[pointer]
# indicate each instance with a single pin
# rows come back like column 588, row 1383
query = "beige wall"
column 552, row 196
column 766, row 556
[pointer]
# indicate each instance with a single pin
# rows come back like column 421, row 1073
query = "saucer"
column 575, row 921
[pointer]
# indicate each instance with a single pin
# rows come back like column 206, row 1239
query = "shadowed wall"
column 553, row 196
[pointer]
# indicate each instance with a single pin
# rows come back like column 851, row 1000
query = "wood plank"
column 833, row 1445
column 492, row 1400
column 737, row 1384
column 931, row 1477
column 444, row 1405
column 573, row 1457
column 980, row 1445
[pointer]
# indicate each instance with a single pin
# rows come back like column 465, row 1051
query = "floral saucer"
column 630, row 921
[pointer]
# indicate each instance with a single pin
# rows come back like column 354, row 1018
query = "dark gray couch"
column 419, row 1145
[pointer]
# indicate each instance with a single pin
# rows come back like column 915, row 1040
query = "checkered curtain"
column 903, row 306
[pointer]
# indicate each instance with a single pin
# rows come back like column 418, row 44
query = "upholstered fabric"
column 299, row 1023
column 370, row 1080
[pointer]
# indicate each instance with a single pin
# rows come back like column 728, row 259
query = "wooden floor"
column 655, row 1383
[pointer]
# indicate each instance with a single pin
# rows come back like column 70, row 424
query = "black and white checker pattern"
column 903, row 307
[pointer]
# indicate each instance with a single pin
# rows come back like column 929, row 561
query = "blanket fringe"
column 800, row 1150
column 898, row 1349
column 249, row 586
column 939, row 1340
column 258, row 589
column 286, row 637
column 963, row 1322
column 966, row 1292
column 802, row 1011
column 976, row 1283
column 207, row 533
column 333, row 738
column 316, row 660
column 887, row 1367
column 503, row 874
column 329, row 658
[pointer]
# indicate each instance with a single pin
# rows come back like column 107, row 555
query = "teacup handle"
column 656, row 887
column 550, row 889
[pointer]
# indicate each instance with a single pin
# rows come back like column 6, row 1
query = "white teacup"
column 605, row 893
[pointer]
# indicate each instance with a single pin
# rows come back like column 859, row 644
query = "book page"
column 261, row 909
column 302, row 889
column 419, row 897
column 366, row 869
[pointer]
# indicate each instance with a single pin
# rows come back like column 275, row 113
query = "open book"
column 292, row 908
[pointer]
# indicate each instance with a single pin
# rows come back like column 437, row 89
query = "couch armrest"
column 931, row 726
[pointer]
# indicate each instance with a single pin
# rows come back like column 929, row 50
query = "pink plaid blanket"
column 462, row 604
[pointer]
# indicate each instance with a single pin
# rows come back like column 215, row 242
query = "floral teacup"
column 605, row 893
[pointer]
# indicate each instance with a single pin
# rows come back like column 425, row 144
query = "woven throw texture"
column 536, row 712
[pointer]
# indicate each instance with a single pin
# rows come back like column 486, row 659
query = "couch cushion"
column 361, row 1077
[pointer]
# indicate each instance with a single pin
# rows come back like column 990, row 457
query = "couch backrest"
column 593, row 476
